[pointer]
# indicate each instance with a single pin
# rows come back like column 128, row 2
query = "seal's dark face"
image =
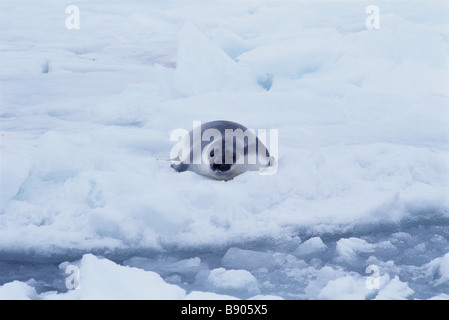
column 220, row 167
column 223, row 166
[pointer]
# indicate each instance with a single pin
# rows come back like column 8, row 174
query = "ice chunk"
column 395, row 289
column 203, row 67
column 57, row 157
column 229, row 42
column 17, row 290
column 104, row 279
column 441, row 296
column 309, row 51
column 232, row 279
column 401, row 237
column 13, row 172
column 348, row 287
column 167, row 266
column 312, row 246
column 236, row 258
column 444, row 269
column 348, row 248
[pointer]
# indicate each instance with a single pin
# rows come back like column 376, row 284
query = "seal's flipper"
column 181, row 167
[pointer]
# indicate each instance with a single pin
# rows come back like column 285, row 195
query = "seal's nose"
column 220, row 167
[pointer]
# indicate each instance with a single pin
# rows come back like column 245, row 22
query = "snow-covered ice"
column 363, row 162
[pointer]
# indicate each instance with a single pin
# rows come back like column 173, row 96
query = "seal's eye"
column 212, row 153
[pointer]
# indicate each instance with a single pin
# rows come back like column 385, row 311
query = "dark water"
column 404, row 250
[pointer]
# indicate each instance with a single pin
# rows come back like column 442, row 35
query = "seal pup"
column 221, row 150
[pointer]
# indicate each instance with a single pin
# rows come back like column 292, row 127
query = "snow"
column 363, row 161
